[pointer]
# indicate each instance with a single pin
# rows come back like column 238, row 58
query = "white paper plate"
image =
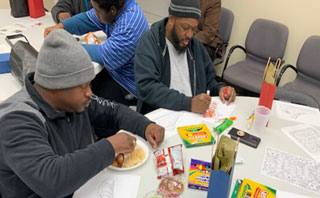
column 143, row 144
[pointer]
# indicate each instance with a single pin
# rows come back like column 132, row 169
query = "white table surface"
column 253, row 158
column 8, row 84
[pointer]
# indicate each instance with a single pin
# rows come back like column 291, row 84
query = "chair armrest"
column 229, row 55
column 219, row 46
column 283, row 69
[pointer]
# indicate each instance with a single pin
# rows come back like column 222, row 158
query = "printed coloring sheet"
column 298, row 113
column 307, row 137
column 291, row 168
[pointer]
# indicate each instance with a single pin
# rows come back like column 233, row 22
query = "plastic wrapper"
column 171, row 187
column 169, row 161
column 91, row 38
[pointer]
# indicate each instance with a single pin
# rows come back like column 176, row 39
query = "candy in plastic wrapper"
column 169, row 161
column 171, row 187
column 91, row 38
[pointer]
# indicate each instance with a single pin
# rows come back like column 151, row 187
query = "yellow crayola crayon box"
column 199, row 174
column 251, row 189
column 195, row 135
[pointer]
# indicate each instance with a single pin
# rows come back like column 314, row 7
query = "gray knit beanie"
column 62, row 62
column 185, row 8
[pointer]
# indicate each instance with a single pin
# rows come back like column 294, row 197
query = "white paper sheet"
column 170, row 120
column 283, row 194
column 307, row 137
column 167, row 119
column 298, row 113
column 11, row 29
column 4, row 48
column 108, row 185
column 29, row 23
column 291, row 168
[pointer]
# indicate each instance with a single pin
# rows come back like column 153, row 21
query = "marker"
column 233, row 118
column 225, row 91
column 250, row 121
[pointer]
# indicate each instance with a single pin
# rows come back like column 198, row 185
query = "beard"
column 176, row 41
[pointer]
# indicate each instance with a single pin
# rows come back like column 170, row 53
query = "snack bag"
column 91, row 38
column 169, row 161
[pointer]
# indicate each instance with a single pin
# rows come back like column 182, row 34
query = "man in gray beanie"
column 172, row 68
column 46, row 135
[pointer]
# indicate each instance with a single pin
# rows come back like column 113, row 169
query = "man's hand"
column 200, row 103
column 122, row 143
column 154, row 134
column 228, row 94
column 63, row 16
column 49, row 29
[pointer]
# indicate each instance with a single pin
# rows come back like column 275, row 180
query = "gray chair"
column 265, row 39
column 226, row 23
column 296, row 97
column 307, row 70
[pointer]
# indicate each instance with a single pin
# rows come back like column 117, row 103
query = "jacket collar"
column 45, row 108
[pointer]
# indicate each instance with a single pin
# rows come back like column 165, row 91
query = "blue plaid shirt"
column 117, row 52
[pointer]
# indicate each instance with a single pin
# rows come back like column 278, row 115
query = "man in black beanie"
column 172, row 68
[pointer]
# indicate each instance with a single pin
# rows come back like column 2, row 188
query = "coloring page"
column 291, row 168
column 307, row 137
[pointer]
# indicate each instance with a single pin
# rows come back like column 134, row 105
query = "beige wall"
column 4, row 4
column 47, row 4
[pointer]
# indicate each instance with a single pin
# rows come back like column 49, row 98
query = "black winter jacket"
column 152, row 72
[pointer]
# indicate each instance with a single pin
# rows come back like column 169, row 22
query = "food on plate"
column 118, row 161
column 131, row 159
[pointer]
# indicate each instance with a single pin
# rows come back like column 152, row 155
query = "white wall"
column 154, row 10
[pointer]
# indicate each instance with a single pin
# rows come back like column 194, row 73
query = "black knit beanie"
column 185, row 8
